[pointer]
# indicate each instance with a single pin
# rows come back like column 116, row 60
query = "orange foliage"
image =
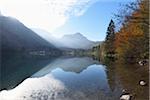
column 129, row 41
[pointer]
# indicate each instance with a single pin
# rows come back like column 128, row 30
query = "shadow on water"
column 16, row 68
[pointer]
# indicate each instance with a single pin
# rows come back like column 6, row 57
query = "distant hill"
column 77, row 41
column 47, row 36
column 17, row 37
column 71, row 41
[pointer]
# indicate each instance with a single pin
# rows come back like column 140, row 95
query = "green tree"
column 110, row 31
column 110, row 37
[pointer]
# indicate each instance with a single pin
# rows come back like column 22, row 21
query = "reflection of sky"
column 61, row 85
column 94, row 77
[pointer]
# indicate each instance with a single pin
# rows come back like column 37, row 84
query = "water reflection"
column 92, row 79
column 14, row 69
column 65, row 79
column 129, row 77
column 123, row 76
column 76, row 78
column 73, row 64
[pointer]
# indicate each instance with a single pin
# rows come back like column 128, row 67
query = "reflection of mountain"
column 90, row 84
column 72, row 41
column 17, row 37
column 76, row 64
column 15, row 40
column 17, row 68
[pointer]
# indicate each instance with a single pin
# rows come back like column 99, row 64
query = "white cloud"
column 45, row 14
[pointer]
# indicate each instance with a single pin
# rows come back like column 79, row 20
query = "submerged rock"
column 142, row 83
column 143, row 62
column 125, row 97
column 124, row 91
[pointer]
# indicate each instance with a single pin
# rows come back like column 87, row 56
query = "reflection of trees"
column 111, row 77
column 16, row 67
column 129, row 77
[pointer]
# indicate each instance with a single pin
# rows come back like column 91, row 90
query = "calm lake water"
column 65, row 78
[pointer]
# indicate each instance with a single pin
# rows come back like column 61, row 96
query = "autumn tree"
column 132, row 40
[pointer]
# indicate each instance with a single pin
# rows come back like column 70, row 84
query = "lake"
column 67, row 78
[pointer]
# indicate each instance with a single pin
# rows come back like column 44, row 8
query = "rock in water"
column 142, row 83
column 143, row 62
column 125, row 97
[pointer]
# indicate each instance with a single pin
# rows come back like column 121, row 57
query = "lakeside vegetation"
column 130, row 43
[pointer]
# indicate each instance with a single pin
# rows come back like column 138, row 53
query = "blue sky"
column 94, row 22
column 60, row 17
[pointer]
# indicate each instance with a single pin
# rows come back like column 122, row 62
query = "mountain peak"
column 76, row 41
column 78, row 34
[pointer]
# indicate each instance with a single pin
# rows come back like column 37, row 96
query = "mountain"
column 47, row 36
column 76, row 41
column 17, row 37
column 71, row 41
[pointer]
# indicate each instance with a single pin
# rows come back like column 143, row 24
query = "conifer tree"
column 110, row 37
column 110, row 31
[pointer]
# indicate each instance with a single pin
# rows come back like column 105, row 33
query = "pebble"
column 143, row 62
column 142, row 83
column 125, row 97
